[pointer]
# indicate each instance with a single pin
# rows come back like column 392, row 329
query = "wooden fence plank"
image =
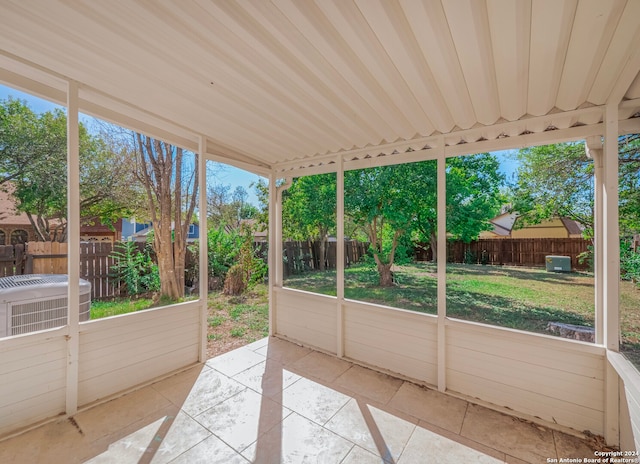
column 304, row 256
column 512, row 252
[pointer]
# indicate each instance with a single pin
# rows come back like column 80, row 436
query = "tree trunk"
column 386, row 276
column 161, row 173
column 321, row 258
column 433, row 243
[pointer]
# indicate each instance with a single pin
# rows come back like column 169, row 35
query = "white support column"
column 611, row 268
column 593, row 147
column 203, row 261
column 442, row 266
column 272, row 254
column 611, row 230
column 73, row 248
column 278, row 222
column 340, row 255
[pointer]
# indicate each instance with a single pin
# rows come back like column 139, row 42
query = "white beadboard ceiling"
column 270, row 83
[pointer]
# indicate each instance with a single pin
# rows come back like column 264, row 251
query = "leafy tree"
column 19, row 139
column 261, row 188
column 555, row 181
column 393, row 202
column 228, row 208
column 473, row 194
column 376, row 200
column 171, row 184
column 33, row 153
column 629, row 183
column 309, row 210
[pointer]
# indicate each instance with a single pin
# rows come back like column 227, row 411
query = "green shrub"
column 135, row 269
column 629, row 262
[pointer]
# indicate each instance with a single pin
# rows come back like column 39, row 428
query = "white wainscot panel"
column 32, row 378
column 308, row 318
column 629, row 398
column 121, row 352
column 557, row 380
column 396, row 340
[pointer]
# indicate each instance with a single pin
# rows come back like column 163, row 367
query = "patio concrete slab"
column 313, row 400
column 321, row 366
column 235, row 361
column 513, row 436
column 430, row 406
column 293, row 407
column 241, row 419
column 298, row 440
column 359, row 455
column 211, row 451
column 372, row 428
column 283, row 352
column 424, row 443
column 211, row 388
column 380, row 387
column 268, row 378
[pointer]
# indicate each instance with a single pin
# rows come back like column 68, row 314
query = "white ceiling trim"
column 540, row 130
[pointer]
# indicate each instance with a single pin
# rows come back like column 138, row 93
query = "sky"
column 225, row 174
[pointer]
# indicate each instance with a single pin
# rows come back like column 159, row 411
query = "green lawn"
column 100, row 309
column 519, row 298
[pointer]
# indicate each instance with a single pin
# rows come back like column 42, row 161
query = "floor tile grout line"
column 190, row 448
column 348, row 453
column 464, row 417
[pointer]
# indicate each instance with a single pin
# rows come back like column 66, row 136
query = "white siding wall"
column 560, row 381
column 306, row 317
column 32, row 378
column 120, row 352
column 393, row 339
column 557, row 380
column 629, row 402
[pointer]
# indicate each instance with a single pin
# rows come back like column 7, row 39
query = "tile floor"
column 272, row 402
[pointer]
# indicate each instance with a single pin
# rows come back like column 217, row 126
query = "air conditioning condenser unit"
column 37, row 301
column 558, row 263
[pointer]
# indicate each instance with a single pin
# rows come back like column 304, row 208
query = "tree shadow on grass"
column 417, row 291
column 506, row 312
column 539, row 275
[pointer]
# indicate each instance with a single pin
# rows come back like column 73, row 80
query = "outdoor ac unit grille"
column 45, row 314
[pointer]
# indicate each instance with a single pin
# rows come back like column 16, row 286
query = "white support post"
column 340, row 256
column 442, row 266
column 611, row 268
column 272, row 254
column 73, row 248
column 593, row 147
column 278, row 222
column 611, row 230
column 203, row 261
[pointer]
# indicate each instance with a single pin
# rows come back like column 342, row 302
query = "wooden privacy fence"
column 97, row 260
column 302, row 256
column 512, row 252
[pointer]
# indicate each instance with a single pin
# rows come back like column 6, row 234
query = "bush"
column 135, row 268
column 629, row 262
column 222, row 250
column 236, row 281
column 249, row 269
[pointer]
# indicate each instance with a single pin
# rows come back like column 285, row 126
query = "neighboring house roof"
column 503, row 225
column 574, row 227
